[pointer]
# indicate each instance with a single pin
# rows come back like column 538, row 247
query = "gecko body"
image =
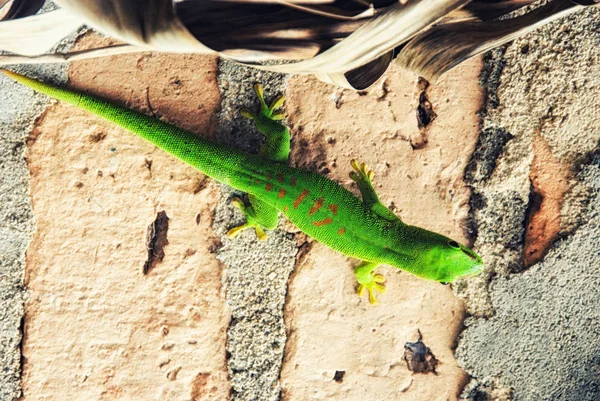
column 326, row 211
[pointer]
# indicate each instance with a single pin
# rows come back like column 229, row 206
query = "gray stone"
column 257, row 271
column 539, row 338
column 19, row 106
column 543, row 338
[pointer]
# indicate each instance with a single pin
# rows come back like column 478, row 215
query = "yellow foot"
column 277, row 103
column 260, row 233
column 239, row 203
column 372, row 287
column 367, row 281
column 361, row 173
column 236, row 230
column 266, row 111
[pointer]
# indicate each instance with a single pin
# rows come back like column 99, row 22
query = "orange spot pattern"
column 316, row 206
column 341, row 231
column 281, row 193
column 280, row 177
column 269, row 187
column 293, row 181
column 334, row 208
column 323, row 222
column 300, row 198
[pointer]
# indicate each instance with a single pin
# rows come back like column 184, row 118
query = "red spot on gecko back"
column 300, row 198
column 269, row 175
column 280, row 177
column 334, row 208
column 281, row 193
column 316, row 206
column 286, row 208
column 322, row 222
column 341, row 231
column 269, row 187
column 293, row 181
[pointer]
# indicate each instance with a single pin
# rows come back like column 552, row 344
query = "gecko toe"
column 277, row 103
column 373, row 287
column 246, row 113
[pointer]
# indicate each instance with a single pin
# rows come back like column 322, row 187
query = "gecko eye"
column 454, row 244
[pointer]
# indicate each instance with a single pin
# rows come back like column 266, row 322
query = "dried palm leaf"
column 37, row 34
column 151, row 24
column 346, row 42
column 398, row 24
column 13, row 9
column 490, row 9
column 59, row 57
column 259, row 32
column 444, row 46
column 362, row 77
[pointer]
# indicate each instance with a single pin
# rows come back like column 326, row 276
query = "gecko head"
column 448, row 259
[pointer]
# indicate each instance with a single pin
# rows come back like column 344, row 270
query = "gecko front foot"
column 369, row 282
column 362, row 174
column 269, row 112
column 250, row 221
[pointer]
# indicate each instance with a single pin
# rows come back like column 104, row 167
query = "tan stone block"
column 96, row 327
column 419, row 173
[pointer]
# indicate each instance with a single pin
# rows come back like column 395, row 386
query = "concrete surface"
column 543, row 338
column 19, row 108
column 257, row 271
column 540, row 125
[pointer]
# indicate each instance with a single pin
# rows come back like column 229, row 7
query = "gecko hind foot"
column 373, row 287
column 362, row 173
column 369, row 282
column 250, row 221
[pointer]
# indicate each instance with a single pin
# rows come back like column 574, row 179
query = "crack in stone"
column 156, row 240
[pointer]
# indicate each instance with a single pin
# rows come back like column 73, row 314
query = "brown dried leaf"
column 36, row 34
column 349, row 43
column 396, row 25
column 151, row 24
column 444, row 46
column 13, row 9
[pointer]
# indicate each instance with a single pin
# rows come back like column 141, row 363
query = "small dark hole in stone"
column 339, row 376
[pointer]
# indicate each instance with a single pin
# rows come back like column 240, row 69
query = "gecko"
column 364, row 229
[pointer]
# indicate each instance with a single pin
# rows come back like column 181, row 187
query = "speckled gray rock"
column 546, row 82
column 19, row 107
column 539, row 340
column 257, row 271
column 543, row 339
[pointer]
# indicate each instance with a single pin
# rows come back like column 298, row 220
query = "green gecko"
column 363, row 229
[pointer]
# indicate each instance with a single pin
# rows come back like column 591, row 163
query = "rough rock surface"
column 257, row 271
column 96, row 327
column 19, row 109
column 540, row 126
column 543, row 338
column 341, row 347
column 542, row 88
